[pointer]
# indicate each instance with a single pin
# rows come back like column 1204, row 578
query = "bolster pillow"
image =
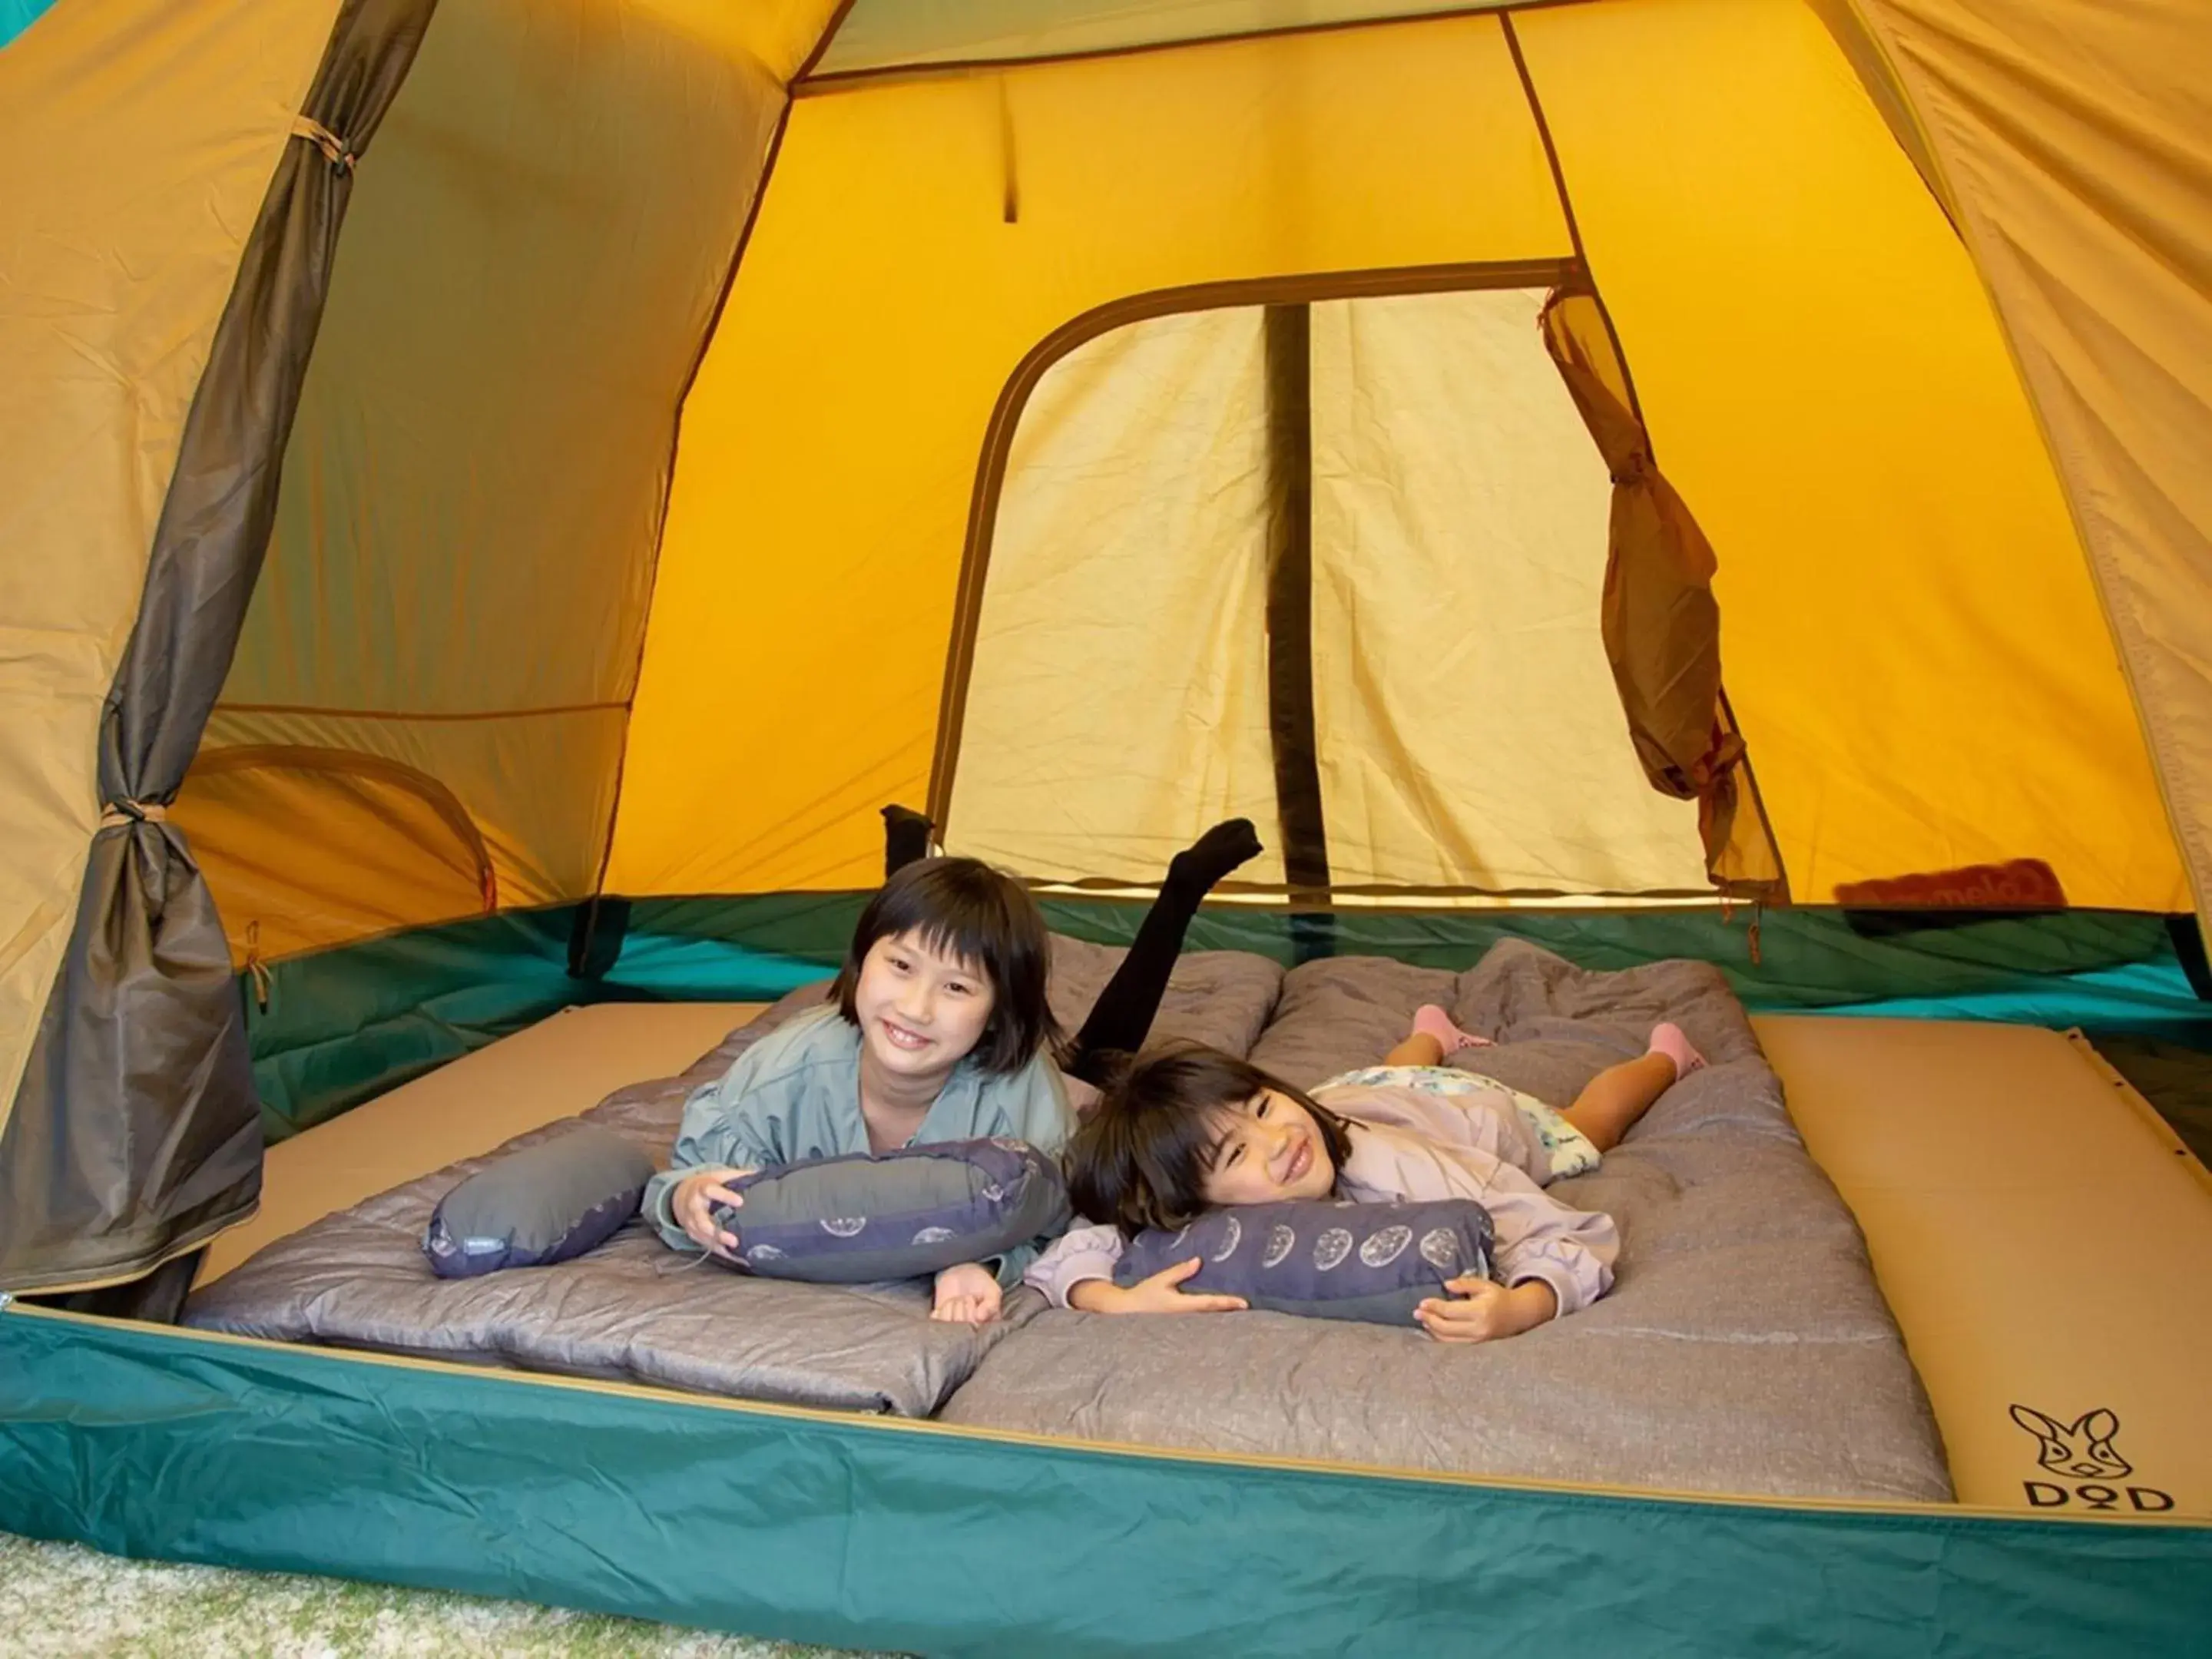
column 541, row 1205
column 1324, row 1258
column 904, row 1214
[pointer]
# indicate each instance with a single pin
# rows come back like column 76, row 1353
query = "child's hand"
column 692, row 1205
column 1481, row 1309
column 967, row 1295
column 1159, row 1294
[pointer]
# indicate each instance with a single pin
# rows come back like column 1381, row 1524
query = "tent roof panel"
column 880, row 34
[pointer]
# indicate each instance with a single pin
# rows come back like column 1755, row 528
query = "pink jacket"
column 1411, row 1144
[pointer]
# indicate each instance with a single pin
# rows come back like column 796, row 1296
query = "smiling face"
column 1271, row 1148
column 919, row 1012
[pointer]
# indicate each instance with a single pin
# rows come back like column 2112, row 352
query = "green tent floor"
column 145, row 1441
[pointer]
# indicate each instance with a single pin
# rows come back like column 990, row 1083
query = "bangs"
column 963, row 911
column 966, row 917
column 964, row 947
column 1183, row 1152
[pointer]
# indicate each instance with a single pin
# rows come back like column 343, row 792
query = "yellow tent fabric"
column 2075, row 147
column 136, row 140
column 1912, row 641
column 1915, row 295
column 887, row 301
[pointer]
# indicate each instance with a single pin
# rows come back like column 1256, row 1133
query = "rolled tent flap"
column 135, row 1134
column 1662, row 625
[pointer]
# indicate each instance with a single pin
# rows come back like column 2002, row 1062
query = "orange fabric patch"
column 2017, row 884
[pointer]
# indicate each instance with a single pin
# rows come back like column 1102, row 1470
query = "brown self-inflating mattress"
column 2042, row 1237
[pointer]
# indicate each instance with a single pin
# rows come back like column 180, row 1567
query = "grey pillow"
column 1324, row 1258
column 861, row 1219
column 542, row 1204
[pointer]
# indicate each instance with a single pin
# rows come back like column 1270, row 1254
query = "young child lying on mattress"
column 937, row 1029
column 1190, row 1128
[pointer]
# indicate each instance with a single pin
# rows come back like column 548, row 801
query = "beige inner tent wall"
column 1469, row 731
column 1128, row 580
column 1911, row 640
column 456, row 586
column 136, row 140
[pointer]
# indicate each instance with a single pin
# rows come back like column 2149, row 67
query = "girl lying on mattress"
column 937, row 1029
column 1190, row 1128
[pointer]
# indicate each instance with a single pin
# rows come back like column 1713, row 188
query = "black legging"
column 1122, row 1015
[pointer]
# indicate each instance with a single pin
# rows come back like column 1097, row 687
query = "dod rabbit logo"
column 2081, row 1455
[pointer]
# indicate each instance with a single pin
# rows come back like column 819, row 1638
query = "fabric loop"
column 1634, row 468
column 117, row 813
column 1725, row 756
column 335, row 150
column 256, row 969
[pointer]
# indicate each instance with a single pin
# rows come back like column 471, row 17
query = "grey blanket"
column 1745, row 1347
column 633, row 1311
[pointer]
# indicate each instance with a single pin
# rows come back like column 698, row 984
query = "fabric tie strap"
column 117, row 813
column 256, row 969
column 335, row 150
column 1634, row 468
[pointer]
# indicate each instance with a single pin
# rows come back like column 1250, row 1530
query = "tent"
column 495, row 497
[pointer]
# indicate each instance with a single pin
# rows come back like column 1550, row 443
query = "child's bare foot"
column 1668, row 1040
column 1431, row 1021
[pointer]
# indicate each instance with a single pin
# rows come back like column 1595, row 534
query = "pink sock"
column 1668, row 1040
column 1429, row 1020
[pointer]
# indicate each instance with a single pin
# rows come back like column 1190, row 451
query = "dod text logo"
column 2081, row 1455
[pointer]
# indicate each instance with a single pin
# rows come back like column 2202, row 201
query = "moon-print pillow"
column 894, row 1215
column 540, row 1205
column 1326, row 1258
